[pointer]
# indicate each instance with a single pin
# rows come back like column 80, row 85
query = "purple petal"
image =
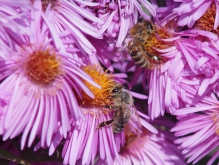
column 87, row 150
column 184, row 111
column 148, row 126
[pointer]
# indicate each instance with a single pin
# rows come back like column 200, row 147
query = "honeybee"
column 140, row 34
column 142, row 30
column 124, row 111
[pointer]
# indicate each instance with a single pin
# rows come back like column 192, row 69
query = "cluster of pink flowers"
column 54, row 92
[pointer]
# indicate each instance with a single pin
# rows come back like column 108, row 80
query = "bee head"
column 116, row 90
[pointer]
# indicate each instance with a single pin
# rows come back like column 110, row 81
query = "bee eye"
column 115, row 90
column 149, row 26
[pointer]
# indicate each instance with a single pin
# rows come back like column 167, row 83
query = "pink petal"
column 184, row 111
column 88, row 146
column 203, row 86
column 148, row 126
column 201, row 61
column 201, row 10
column 216, row 20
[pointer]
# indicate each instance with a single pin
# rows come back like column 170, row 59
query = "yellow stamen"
column 105, row 80
column 154, row 42
column 206, row 22
column 98, row 112
column 45, row 3
column 42, row 66
column 215, row 117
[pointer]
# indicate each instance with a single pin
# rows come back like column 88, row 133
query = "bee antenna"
column 127, row 85
column 141, row 19
column 129, row 36
column 152, row 19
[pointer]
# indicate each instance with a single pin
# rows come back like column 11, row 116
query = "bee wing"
column 135, row 117
column 124, row 50
column 134, row 124
column 128, row 129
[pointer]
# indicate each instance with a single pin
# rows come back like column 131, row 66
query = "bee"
column 140, row 34
column 124, row 111
column 142, row 31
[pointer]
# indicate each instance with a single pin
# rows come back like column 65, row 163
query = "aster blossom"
column 149, row 148
column 198, row 17
column 184, row 57
column 56, row 98
column 202, row 68
column 163, row 74
column 118, row 16
column 198, row 132
column 190, row 11
column 73, row 24
column 36, row 88
column 86, row 140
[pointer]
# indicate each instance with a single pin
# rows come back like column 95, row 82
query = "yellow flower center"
column 154, row 42
column 45, row 3
column 42, row 67
column 206, row 22
column 105, row 80
column 215, row 118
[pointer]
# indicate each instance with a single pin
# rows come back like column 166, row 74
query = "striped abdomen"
column 138, row 55
column 121, row 118
column 141, row 57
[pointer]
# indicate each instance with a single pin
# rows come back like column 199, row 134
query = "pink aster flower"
column 200, row 74
column 186, row 56
column 117, row 18
column 197, row 130
column 196, row 73
column 160, row 78
column 85, row 142
column 201, row 17
column 106, row 52
column 38, row 81
column 190, row 11
column 13, row 22
column 202, row 58
column 149, row 148
column 72, row 22
column 120, row 16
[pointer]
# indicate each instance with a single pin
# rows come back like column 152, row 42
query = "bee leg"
column 140, row 61
column 105, row 123
column 136, row 57
column 112, row 107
